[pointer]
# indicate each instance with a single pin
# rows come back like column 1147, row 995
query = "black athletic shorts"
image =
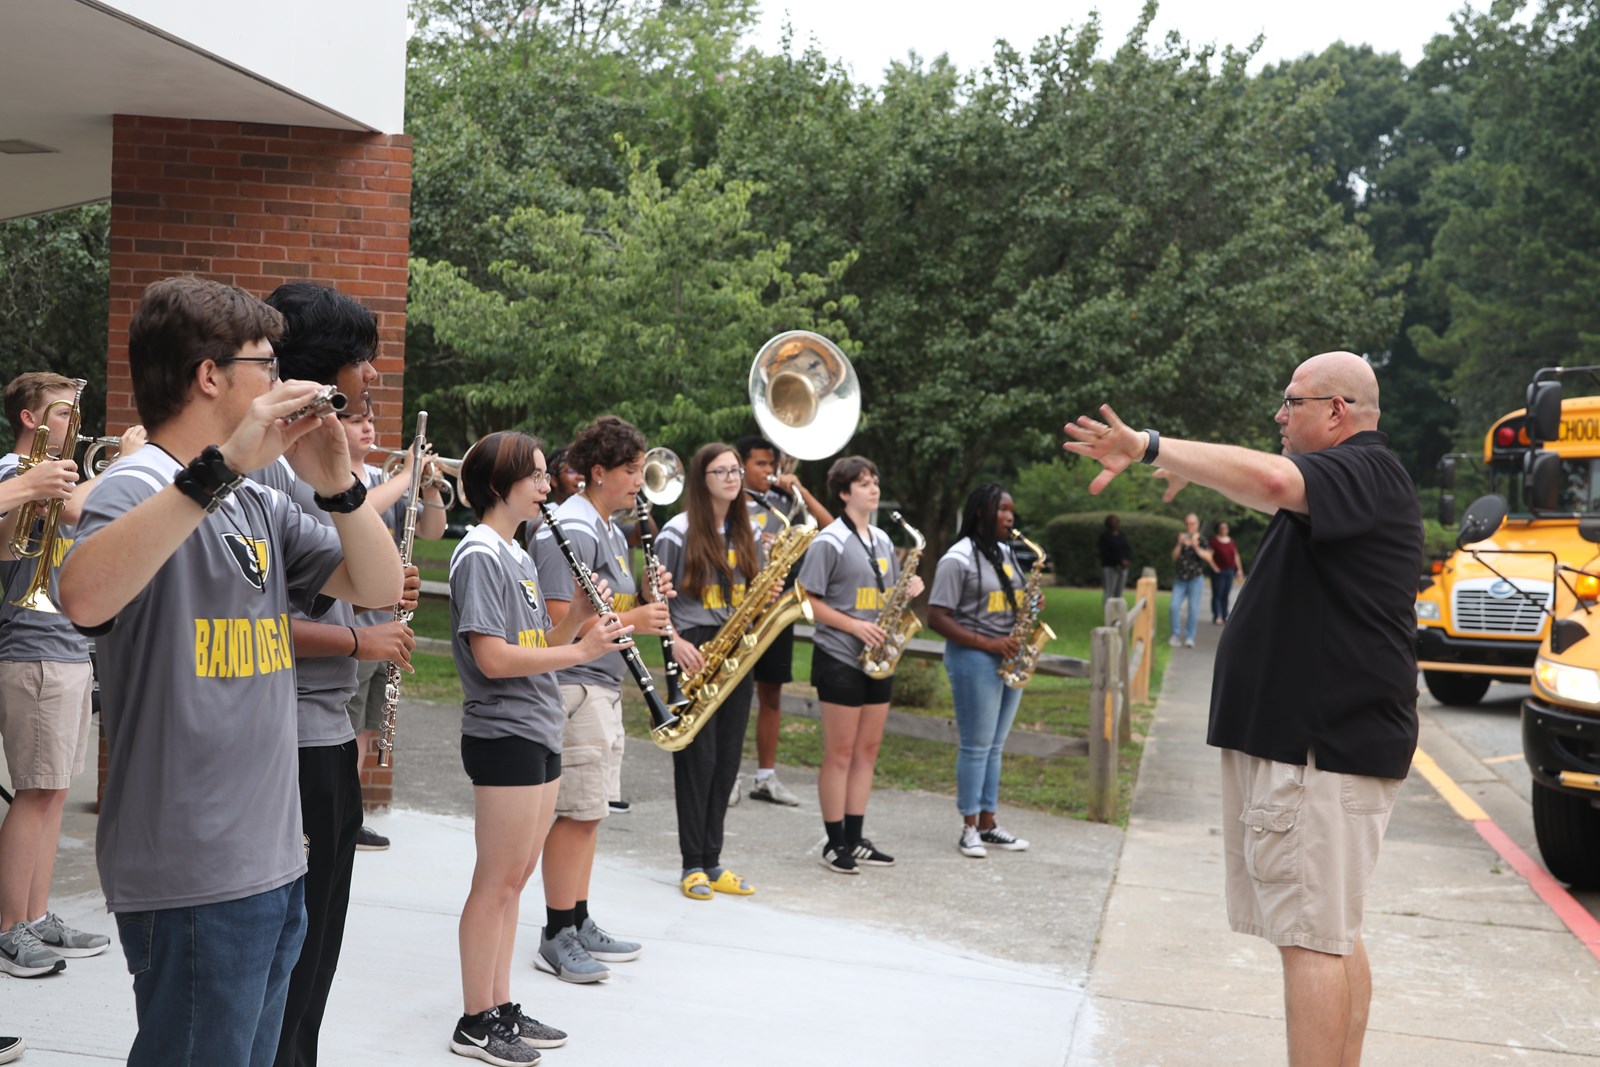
column 844, row 683
column 776, row 664
column 508, row 761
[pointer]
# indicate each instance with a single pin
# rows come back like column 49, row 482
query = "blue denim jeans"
column 209, row 982
column 1192, row 590
column 1221, row 590
column 985, row 709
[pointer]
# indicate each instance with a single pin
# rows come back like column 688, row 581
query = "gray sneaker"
column 65, row 941
column 733, row 797
column 565, row 957
column 24, row 955
column 770, row 789
column 605, row 948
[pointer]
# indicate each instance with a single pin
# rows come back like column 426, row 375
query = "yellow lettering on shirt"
column 532, row 639
column 997, row 599
column 713, row 600
column 869, row 599
column 241, row 648
column 621, row 602
column 59, row 552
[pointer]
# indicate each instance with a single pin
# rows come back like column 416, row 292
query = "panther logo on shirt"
column 251, row 554
column 530, row 592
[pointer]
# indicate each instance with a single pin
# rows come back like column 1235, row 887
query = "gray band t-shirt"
column 202, row 799
column 325, row 683
column 838, row 571
column 603, row 547
column 494, row 590
column 966, row 584
column 28, row 636
column 718, row 599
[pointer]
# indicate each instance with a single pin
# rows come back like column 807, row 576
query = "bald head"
column 1343, row 374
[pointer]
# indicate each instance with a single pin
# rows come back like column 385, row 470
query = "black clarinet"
column 652, row 569
column 659, row 715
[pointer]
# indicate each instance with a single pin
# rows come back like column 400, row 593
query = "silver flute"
column 328, row 399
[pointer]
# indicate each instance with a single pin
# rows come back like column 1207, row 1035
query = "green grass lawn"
column 1049, row 705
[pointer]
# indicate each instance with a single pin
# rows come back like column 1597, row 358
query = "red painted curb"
column 1572, row 914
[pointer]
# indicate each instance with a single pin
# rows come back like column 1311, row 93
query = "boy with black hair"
column 184, row 573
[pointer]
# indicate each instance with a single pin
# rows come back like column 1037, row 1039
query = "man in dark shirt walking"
column 1313, row 702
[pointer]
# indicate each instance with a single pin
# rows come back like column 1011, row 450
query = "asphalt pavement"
column 1097, row 946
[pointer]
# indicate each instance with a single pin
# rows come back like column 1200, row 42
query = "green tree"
column 54, row 281
column 648, row 304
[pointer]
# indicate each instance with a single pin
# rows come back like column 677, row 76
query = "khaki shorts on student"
column 44, row 721
column 591, row 752
column 1301, row 845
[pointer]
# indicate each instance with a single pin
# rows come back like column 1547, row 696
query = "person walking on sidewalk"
column 1313, row 702
column 1116, row 555
column 1226, row 568
column 1190, row 557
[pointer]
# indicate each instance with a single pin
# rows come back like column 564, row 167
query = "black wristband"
column 1153, row 449
column 345, row 502
column 208, row 480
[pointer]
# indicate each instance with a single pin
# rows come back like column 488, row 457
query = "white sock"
column 763, row 773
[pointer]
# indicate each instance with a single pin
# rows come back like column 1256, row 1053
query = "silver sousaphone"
column 805, row 394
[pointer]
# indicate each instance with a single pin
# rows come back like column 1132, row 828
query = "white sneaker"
column 770, row 789
column 1001, row 838
column 1189, row 643
column 971, row 843
column 733, row 797
column 1174, row 641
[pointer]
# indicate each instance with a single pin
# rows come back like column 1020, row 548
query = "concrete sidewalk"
column 1469, row 966
column 1093, row 949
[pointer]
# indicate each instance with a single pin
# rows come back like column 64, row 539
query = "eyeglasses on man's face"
column 1292, row 402
column 270, row 361
column 726, row 474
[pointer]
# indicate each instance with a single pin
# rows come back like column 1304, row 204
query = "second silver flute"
column 408, row 536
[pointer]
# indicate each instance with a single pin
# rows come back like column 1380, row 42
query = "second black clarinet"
column 659, row 714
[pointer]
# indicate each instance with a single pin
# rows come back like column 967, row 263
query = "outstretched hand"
column 1106, row 440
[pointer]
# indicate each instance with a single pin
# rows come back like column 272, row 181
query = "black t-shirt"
column 1114, row 549
column 1320, row 652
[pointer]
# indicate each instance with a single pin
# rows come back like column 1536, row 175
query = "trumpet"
column 25, row 544
column 442, row 477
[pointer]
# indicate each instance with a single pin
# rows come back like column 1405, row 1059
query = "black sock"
column 505, row 1010
column 556, row 920
column 580, row 914
column 835, row 834
column 852, row 829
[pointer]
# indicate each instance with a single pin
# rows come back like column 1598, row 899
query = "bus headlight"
column 1577, row 684
column 1428, row 610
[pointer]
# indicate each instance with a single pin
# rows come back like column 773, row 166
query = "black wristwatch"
column 208, row 480
column 1153, row 449
column 345, row 502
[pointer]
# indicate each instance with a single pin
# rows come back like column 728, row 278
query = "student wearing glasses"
column 710, row 550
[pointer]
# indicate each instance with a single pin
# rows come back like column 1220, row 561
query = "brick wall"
column 255, row 206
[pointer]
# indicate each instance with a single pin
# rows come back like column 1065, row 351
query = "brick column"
column 254, row 206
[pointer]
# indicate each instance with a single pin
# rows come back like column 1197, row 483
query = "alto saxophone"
column 749, row 632
column 897, row 621
column 1030, row 633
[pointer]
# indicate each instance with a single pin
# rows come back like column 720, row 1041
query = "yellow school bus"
column 1481, row 615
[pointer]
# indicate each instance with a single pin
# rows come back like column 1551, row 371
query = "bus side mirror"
column 1482, row 519
column 1447, row 510
column 1447, row 475
column 1564, row 633
column 1544, row 481
column 1544, row 412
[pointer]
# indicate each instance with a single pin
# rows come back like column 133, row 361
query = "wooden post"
column 1117, row 619
column 1102, row 724
column 1145, row 631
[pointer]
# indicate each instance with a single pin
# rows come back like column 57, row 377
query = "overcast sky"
column 867, row 34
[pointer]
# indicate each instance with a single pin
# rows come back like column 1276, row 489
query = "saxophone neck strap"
column 864, row 539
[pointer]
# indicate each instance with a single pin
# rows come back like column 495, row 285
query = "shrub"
column 1073, row 542
column 918, row 683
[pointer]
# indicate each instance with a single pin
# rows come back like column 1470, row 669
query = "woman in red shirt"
column 1225, row 564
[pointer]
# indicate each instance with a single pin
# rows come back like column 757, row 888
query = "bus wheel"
column 1568, row 831
column 1450, row 688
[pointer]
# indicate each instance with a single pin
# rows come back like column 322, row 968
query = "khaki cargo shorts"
column 1301, row 845
column 44, row 721
column 591, row 752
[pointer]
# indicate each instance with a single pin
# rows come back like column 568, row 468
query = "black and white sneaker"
column 618, row 807
column 531, row 1030
column 839, row 860
column 995, row 837
column 866, row 852
column 489, row 1038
